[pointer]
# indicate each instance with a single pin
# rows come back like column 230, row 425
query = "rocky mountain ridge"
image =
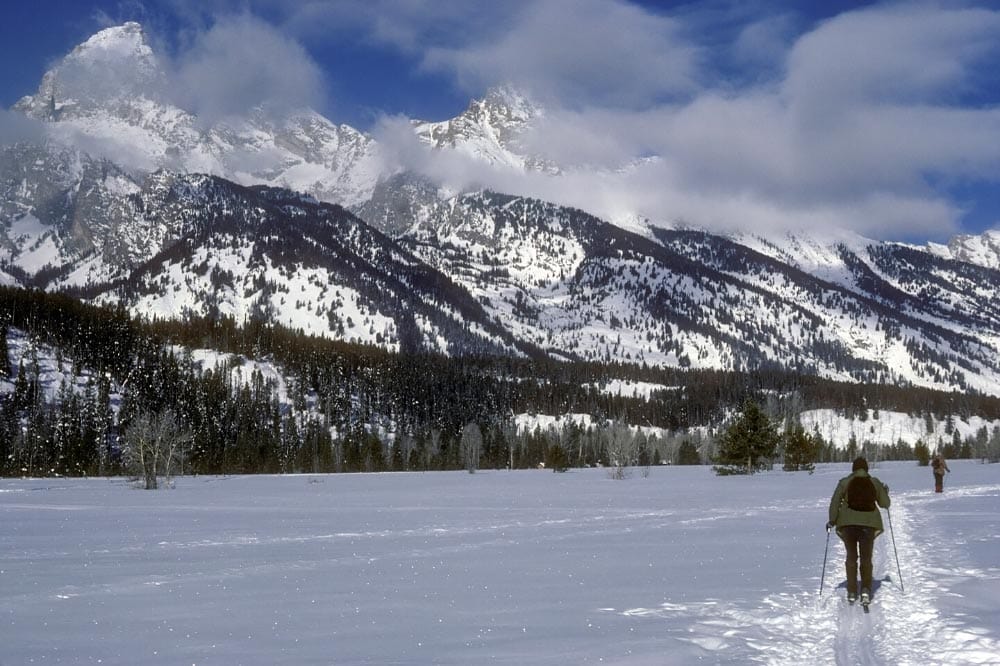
column 405, row 265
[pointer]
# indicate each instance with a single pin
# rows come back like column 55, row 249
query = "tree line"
column 338, row 407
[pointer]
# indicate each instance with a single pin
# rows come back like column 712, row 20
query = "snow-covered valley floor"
column 496, row 567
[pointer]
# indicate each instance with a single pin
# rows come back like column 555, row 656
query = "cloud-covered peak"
column 114, row 64
column 238, row 65
column 490, row 130
column 510, row 101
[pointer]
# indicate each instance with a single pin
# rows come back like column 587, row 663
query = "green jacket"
column 842, row 515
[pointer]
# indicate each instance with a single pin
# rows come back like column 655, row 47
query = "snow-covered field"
column 524, row 567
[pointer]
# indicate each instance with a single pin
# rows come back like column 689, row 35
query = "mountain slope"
column 578, row 286
column 265, row 254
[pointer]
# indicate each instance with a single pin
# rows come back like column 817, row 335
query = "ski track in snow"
column 799, row 626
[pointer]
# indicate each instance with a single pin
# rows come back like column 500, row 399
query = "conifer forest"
column 335, row 407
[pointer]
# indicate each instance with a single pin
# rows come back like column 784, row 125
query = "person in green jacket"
column 854, row 513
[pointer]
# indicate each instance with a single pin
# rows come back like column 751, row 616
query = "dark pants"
column 859, row 541
column 938, row 482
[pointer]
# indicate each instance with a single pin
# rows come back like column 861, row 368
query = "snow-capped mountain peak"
column 114, row 65
column 112, row 97
column 490, row 129
column 983, row 250
column 126, row 41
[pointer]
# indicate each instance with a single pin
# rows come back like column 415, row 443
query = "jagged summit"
column 128, row 40
column 506, row 104
column 115, row 65
column 490, row 129
column 983, row 249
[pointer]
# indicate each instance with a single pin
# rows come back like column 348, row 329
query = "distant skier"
column 854, row 513
column 939, row 466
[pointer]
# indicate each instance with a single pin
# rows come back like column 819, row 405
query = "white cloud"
column 15, row 127
column 242, row 63
column 581, row 52
column 410, row 26
column 908, row 54
column 848, row 124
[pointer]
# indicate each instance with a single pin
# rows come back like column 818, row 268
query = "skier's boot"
column 852, row 597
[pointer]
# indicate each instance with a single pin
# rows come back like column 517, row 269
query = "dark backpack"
column 861, row 494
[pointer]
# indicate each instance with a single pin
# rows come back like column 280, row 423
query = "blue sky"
column 881, row 116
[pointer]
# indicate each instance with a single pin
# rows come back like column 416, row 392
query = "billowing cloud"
column 243, row 63
column 905, row 54
column 409, row 26
column 581, row 52
column 763, row 43
column 15, row 127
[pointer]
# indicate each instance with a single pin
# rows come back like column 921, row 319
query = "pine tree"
column 748, row 443
column 801, row 449
column 556, row 458
column 687, row 454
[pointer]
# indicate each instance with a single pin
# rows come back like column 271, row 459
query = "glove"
column 830, row 525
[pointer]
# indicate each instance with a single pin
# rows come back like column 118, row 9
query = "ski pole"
column 894, row 552
column 825, row 551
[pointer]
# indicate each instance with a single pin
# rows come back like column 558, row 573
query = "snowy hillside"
column 577, row 286
column 491, row 271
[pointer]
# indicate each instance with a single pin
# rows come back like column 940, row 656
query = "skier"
column 939, row 466
column 854, row 513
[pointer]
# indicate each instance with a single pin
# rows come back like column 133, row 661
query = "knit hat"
column 859, row 463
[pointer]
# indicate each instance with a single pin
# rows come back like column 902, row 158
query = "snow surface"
column 525, row 567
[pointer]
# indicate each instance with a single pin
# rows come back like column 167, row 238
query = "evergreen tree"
column 687, row 454
column 748, row 444
column 801, row 450
column 556, row 458
column 852, row 447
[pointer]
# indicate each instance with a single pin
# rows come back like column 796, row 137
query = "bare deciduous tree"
column 155, row 445
column 472, row 444
column 623, row 449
